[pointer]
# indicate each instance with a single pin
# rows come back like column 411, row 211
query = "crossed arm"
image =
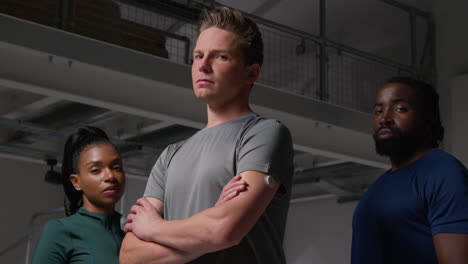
column 155, row 240
column 451, row 248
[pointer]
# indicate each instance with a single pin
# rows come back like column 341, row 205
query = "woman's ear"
column 75, row 180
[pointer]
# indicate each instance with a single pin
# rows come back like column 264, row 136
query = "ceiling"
column 34, row 127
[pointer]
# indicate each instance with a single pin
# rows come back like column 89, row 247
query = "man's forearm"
column 136, row 251
column 205, row 232
column 218, row 227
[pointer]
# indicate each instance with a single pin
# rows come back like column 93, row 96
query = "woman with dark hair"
column 93, row 181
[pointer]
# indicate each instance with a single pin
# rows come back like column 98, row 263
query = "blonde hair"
column 250, row 41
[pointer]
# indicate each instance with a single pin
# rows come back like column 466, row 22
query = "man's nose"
column 205, row 65
column 386, row 117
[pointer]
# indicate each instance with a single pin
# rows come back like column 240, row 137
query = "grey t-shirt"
column 189, row 176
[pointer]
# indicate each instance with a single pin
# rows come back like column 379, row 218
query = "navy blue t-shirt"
column 396, row 218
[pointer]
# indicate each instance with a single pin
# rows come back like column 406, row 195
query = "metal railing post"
column 414, row 48
column 323, row 91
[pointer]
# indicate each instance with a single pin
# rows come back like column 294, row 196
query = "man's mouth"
column 385, row 133
column 204, row 81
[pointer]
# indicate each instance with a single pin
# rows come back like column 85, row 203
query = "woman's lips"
column 111, row 190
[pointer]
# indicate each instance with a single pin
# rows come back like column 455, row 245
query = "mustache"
column 396, row 131
column 386, row 127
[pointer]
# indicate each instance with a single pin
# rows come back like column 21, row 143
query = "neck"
column 221, row 114
column 401, row 161
column 97, row 209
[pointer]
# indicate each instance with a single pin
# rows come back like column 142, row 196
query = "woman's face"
column 100, row 177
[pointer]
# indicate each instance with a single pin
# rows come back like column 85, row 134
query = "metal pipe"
column 408, row 8
column 28, row 236
column 432, row 32
column 414, row 48
column 31, row 224
column 187, row 51
column 62, row 13
column 14, row 245
column 323, row 88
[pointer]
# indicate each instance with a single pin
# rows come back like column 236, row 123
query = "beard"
column 401, row 144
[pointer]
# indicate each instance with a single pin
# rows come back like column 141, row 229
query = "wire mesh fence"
column 168, row 29
column 353, row 81
column 290, row 62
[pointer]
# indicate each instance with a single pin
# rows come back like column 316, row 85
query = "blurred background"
column 124, row 66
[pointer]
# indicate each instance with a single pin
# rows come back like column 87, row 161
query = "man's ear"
column 253, row 71
column 75, row 180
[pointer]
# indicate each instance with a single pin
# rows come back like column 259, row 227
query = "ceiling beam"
column 32, row 108
column 147, row 129
column 60, row 133
column 332, row 188
column 38, row 156
column 313, row 198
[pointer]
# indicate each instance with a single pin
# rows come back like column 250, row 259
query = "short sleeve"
column 53, row 245
column 267, row 148
column 157, row 179
column 447, row 197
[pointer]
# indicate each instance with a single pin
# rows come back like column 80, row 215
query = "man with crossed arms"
column 189, row 176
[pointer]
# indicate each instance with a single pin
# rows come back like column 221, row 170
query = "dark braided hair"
column 427, row 101
column 75, row 144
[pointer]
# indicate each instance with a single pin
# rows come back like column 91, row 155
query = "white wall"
column 452, row 60
column 319, row 232
column 23, row 192
column 459, row 111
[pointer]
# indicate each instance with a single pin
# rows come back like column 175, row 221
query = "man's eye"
column 94, row 171
column 401, row 109
column 378, row 111
column 222, row 57
column 197, row 56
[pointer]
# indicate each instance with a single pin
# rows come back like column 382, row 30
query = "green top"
column 83, row 237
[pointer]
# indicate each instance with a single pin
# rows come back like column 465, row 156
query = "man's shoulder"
column 439, row 159
column 440, row 166
column 172, row 148
column 257, row 122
